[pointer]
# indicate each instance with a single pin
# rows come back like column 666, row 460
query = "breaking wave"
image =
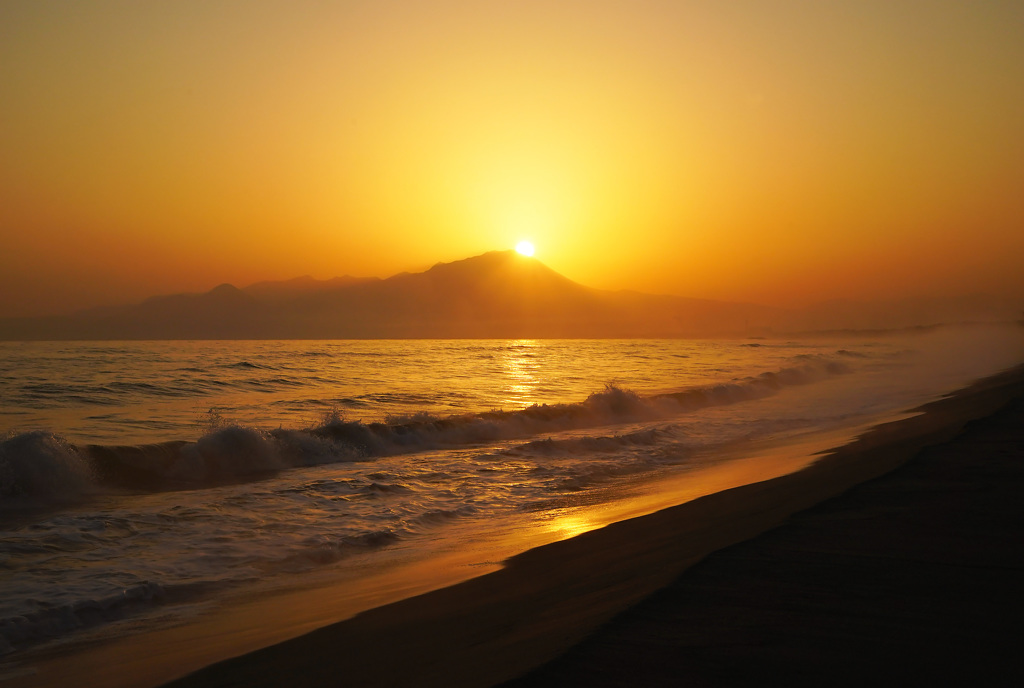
column 39, row 464
column 42, row 468
column 54, row 621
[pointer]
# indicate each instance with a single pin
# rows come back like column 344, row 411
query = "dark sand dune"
column 912, row 578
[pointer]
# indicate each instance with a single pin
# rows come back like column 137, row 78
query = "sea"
column 144, row 483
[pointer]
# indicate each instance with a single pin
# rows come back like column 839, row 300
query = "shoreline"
column 489, row 628
column 501, row 625
column 234, row 627
column 912, row 578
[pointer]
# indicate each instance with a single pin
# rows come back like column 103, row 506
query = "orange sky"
column 781, row 152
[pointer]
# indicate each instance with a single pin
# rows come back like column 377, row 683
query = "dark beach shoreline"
column 912, row 578
column 545, row 606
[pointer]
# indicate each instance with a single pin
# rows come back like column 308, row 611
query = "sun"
column 525, row 248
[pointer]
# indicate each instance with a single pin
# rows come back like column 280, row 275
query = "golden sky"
column 780, row 152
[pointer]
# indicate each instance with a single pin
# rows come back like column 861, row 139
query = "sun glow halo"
column 525, row 248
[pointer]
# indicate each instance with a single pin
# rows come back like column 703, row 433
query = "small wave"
column 766, row 384
column 597, row 474
column 226, row 454
column 323, row 550
column 388, row 487
column 586, row 446
column 396, row 398
column 55, row 621
column 245, row 365
column 440, row 516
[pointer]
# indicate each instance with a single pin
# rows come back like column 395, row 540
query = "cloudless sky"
column 781, row 152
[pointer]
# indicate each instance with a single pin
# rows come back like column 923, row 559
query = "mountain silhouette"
column 280, row 292
column 500, row 294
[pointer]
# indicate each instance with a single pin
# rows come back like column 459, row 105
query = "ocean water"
column 140, row 481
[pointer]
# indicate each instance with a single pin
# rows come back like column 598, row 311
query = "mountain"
column 500, row 294
column 224, row 312
column 281, row 292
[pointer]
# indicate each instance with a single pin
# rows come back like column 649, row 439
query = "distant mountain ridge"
column 280, row 291
column 500, row 294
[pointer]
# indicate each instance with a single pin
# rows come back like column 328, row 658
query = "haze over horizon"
column 496, row 295
column 779, row 155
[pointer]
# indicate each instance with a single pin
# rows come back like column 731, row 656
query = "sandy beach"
column 909, row 579
column 611, row 607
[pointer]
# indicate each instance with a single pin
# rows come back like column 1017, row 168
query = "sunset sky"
column 779, row 152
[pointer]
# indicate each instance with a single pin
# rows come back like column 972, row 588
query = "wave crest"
column 43, row 465
column 39, row 465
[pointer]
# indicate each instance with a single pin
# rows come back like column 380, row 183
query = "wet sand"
column 910, row 576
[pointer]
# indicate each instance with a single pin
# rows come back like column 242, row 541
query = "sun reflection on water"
column 521, row 366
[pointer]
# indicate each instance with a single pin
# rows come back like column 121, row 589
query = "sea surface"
column 140, row 481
